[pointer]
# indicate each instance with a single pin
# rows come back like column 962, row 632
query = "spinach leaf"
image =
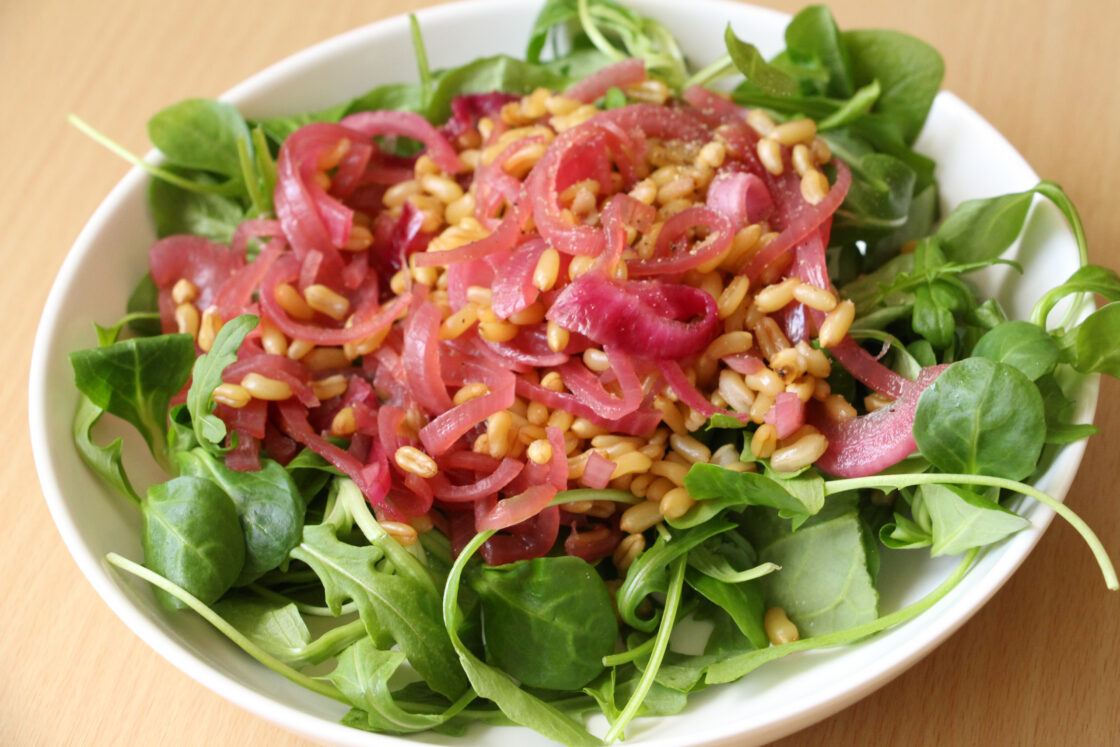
column 908, row 70
column 200, row 134
column 981, row 417
column 363, row 674
column 208, row 428
column 547, row 622
column 1023, row 345
column 760, row 75
column 1088, row 279
column 824, row 585
column 813, row 38
column 489, row 682
column 716, row 488
column 392, row 605
column 192, row 537
column 268, row 503
column 963, row 519
column 1059, row 414
column 176, row 210
column 983, row 229
column 105, row 461
column 1091, row 346
column 135, row 380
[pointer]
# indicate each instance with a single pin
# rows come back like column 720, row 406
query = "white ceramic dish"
column 110, row 254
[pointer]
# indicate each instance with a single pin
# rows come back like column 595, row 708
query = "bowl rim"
column 963, row 602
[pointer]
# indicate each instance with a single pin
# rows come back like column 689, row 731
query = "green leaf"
column 979, row 230
column 489, row 682
column 135, row 380
column 963, row 519
column 852, row 109
column 908, row 70
column 363, row 675
column 200, row 134
column 744, row 602
column 1091, row 347
column 144, row 300
column 981, row 417
column 758, row 72
column 268, row 503
column 1023, row 345
column 209, row 429
column 105, row 461
column 547, row 622
column 176, row 210
column 904, row 534
column 192, row 537
column 716, row 489
column 812, row 36
column 1088, row 279
column 274, row 626
column 391, row 604
column 824, row 585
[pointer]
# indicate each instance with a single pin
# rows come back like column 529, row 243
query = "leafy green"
column 192, row 537
column 176, row 210
column 548, row 622
column 207, row 375
column 135, row 380
column 716, row 488
column 268, row 503
column 963, row 519
column 981, row 417
column 274, row 626
column 1023, row 345
column 104, row 460
column 200, row 134
column 759, row 74
column 489, row 682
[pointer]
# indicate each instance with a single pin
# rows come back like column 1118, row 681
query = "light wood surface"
column 1038, row 665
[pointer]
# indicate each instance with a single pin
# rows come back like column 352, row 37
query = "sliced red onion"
column 787, row 414
column 741, row 196
column 386, row 122
column 639, row 318
column 675, row 230
column 618, row 75
column 597, row 472
column 868, row 444
column 421, row 358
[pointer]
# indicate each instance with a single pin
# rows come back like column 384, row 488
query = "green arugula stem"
column 593, row 33
column 901, row 481
column 592, row 494
column 329, row 644
column 168, row 176
column 251, row 184
column 660, row 646
column 721, row 68
column 228, row 630
column 739, row 666
column 629, row 655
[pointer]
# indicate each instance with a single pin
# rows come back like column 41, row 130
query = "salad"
column 507, row 374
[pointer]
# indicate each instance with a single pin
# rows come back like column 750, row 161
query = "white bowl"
column 110, row 255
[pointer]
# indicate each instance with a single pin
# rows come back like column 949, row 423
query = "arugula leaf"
column 390, row 604
column 143, row 308
column 548, row 622
column 1090, row 347
column 963, row 519
column 105, row 461
column 208, row 428
column 744, row 602
column 904, row 534
column 759, row 74
column 981, row 417
column 363, row 674
column 135, row 380
column 192, row 537
column 268, row 503
column 716, row 488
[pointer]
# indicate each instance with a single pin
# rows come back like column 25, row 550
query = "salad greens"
column 538, row 642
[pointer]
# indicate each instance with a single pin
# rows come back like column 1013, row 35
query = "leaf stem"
column 721, row 68
column 901, row 481
column 732, row 669
column 660, row 646
column 228, row 630
column 593, row 33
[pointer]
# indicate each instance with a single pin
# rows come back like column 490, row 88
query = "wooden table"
column 1036, row 665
